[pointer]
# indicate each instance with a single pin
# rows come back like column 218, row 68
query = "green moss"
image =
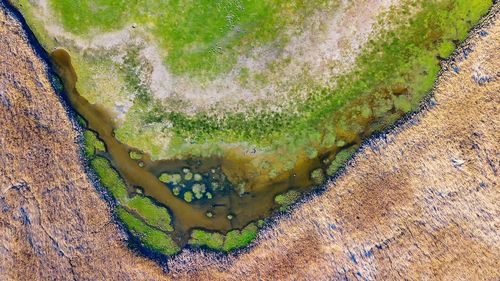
column 201, row 238
column 199, row 190
column 170, row 178
column 318, row 176
column 340, row 159
column 287, row 199
column 176, row 191
column 446, row 49
column 91, row 144
column 188, row 176
column 134, row 155
column 197, row 177
column 188, row 196
column 152, row 214
column 110, row 179
column 402, row 103
column 149, row 237
column 236, row 239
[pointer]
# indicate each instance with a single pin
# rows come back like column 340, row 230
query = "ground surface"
column 421, row 203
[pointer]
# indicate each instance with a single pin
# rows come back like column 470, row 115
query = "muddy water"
column 253, row 205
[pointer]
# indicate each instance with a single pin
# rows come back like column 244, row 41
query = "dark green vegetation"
column 150, row 237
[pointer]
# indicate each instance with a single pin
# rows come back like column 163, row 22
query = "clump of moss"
column 92, row 144
column 188, row 196
column 234, row 239
column 340, row 159
column 318, row 176
column 197, row 177
column 199, row 190
column 402, row 103
column 110, row 179
column 134, row 155
column 149, row 237
column 287, row 199
column 170, row 178
column 152, row 214
column 211, row 240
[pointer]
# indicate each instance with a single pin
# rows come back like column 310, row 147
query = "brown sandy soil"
column 422, row 203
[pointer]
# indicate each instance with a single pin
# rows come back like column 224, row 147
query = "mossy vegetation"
column 234, row 239
column 92, row 144
column 200, row 36
column 134, row 155
column 149, row 237
column 286, row 199
column 110, row 179
column 340, row 159
column 152, row 214
column 147, row 221
column 194, row 186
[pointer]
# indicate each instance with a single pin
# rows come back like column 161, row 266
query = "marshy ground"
column 200, row 124
column 421, row 202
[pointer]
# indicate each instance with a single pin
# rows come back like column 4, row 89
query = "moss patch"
column 91, row 144
column 110, row 179
column 152, row 214
column 234, row 239
column 149, row 237
column 287, row 199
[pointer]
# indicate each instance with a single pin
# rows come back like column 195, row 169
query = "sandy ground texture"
column 420, row 203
